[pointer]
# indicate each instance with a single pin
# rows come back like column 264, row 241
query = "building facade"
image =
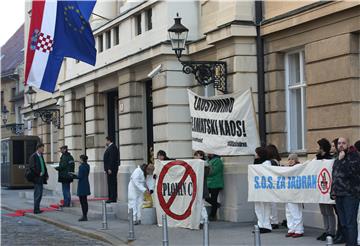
column 144, row 114
column 12, row 84
column 311, row 52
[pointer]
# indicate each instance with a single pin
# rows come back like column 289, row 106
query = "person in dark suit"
column 111, row 167
column 38, row 168
column 83, row 189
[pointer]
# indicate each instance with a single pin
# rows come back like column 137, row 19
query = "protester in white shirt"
column 294, row 211
column 136, row 189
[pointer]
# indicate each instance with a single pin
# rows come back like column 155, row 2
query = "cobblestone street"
column 27, row 231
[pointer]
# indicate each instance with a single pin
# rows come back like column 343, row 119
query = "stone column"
column 171, row 115
column 95, row 138
column 240, row 55
column 73, row 136
column 132, row 119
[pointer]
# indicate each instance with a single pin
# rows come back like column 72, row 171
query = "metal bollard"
column 329, row 240
column 131, row 236
column 206, row 232
column 165, row 241
column 257, row 241
column 104, row 213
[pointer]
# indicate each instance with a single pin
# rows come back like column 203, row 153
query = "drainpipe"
column 260, row 73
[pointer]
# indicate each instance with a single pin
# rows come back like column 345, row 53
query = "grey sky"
column 11, row 17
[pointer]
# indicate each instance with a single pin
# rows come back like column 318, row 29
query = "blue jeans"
column 347, row 208
column 66, row 193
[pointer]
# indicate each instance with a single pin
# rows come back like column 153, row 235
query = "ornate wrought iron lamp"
column 17, row 129
column 205, row 72
column 47, row 115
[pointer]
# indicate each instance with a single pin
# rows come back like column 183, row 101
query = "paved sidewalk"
column 221, row 233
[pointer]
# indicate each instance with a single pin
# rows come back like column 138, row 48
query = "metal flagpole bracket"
column 207, row 73
column 49, row 116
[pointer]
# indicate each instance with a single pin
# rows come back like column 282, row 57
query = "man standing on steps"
column 111, row 167
column 38, row 169
column 66, row 166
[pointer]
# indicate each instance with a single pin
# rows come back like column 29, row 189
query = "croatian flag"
column 58, row 29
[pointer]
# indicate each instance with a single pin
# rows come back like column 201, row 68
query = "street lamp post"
column 4, row 114
column 205, row 72
column 47, row 115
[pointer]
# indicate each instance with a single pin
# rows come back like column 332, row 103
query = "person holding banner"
column 262, row 209
column 161, row 155
column 274, row 158
column 293, row 211
column 215, row 183
column 333, row 150
column 136, row 190
column 260, row 155
column 345, row 189
column 327, row 210
column 199, row 154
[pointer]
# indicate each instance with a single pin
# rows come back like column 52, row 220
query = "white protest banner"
column 303, row 183
column 224, row 125
column 179, row 191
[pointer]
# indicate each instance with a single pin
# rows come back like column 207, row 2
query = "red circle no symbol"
column 167, row 205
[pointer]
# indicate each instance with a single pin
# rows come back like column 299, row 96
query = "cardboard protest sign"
column 178, row 192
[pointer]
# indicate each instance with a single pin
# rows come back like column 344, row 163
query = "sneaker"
column 212, row 218
column 296, row 235
column 274, row 226
column 289, row 234
column 201, row 226
column 264, row 230
column 83, row 219
column 322, row 237
column 37, row 211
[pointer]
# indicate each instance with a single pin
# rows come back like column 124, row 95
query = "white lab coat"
column 136, row 189
column 150, row 182
column 294, row 218
column 263, row 209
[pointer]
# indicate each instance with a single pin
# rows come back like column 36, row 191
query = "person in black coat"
column 83, row 189
column 326, row 210
column 111, row 167
column 38, row 169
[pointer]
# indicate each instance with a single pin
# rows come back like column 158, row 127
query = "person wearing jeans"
column 66, row 166
column 345, row 190
column 215, row 183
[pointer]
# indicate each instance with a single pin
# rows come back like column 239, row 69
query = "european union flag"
column 73, row 30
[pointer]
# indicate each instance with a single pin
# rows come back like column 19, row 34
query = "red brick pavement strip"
column 105, row 237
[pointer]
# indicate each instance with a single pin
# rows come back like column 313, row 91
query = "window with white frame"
column 100, row 43
column 108, row 39
column 138, row 24
column 295, row 100
column 116, row 35
column 148, row 19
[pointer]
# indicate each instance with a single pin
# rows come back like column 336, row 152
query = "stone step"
column 92, row 214
column 95, row 205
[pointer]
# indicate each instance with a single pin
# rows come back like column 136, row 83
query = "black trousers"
column 84, row 205
column 214, row 193
column 112, row 186
column 38, row 191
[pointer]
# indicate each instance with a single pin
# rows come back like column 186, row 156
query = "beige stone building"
column 311, row 52
column 117, row 98
column 12, row 84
